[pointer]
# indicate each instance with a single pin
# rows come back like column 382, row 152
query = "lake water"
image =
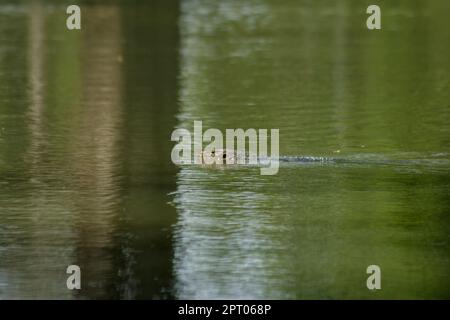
column 86, row 176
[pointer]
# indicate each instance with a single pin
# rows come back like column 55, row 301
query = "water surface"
column 85, row 170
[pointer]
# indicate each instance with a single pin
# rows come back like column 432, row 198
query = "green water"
column 86, row 176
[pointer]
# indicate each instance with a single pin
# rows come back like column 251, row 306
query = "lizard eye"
column 224, row 156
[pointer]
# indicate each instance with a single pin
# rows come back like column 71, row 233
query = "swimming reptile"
column 225, row 157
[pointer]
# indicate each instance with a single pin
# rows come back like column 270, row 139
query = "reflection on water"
column 66, row 183
column 74, row 178
column 85, row 170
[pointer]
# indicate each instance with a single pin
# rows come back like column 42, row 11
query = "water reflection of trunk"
column 73, row 155
column 42, row 278
column 96, row 158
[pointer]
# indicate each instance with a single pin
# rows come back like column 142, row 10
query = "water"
column 85, row 170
